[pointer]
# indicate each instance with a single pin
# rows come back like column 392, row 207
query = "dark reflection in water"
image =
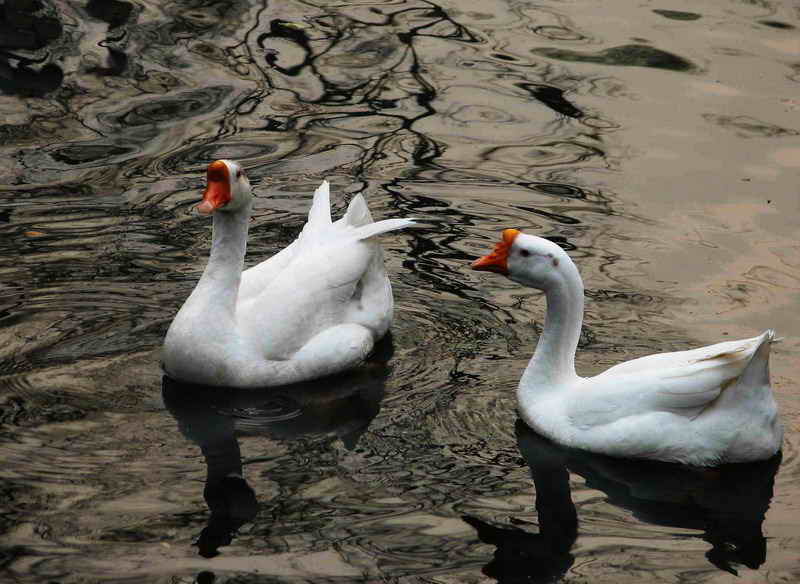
column 677, row 15
column 778, row 24
column 727, row 504
column 545, row 556
column 552, row 97
column 215, row 418
column 750, row 127
column 114, row 12
column 627, row 55
column 446, row 113
column 28, row 25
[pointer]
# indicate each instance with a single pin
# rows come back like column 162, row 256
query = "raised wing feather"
column 259, row 276
column 356, row 224
column 739, row 350
column 357, row 212
column 318, row 229
column 307, row 298
column 683, row 383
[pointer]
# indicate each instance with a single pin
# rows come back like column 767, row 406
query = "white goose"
column 702, row 407
column 315, row 308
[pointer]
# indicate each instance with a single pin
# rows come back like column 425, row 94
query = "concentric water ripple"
column 471, row 119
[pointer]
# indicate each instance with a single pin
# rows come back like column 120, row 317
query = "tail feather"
column 357, row 212
column 750, row 411
column 752, row 385
column 357, row 222
column 320, row 212
column 373, row 229
column 318, row 225
column 757, row 370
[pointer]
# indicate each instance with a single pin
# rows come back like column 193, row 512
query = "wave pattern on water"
column 471, row 120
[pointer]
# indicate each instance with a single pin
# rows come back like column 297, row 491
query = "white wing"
column 683, row 383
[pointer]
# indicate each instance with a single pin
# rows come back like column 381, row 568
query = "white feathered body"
column 316, row 308
column 703, row 407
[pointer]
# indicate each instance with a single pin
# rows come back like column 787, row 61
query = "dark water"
column 659, row 141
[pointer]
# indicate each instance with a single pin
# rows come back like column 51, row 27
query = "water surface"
column 658, row 141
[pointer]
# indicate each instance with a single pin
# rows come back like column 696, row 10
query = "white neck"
column 220, row 281
column 553, row 362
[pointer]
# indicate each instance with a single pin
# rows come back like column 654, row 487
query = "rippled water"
column 660, row 141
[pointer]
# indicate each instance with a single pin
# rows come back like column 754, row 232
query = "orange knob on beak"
column 497, row 261
column 218, row 188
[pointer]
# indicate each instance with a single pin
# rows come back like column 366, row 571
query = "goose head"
column 526, row 259
column 227, row 188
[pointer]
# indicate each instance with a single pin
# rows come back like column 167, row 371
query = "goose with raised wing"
column 702, row 407
column 316, row 308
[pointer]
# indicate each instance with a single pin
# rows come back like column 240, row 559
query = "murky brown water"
column 660, row 139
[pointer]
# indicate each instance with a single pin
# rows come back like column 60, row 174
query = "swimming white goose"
column 702, row 407
column 314, row 309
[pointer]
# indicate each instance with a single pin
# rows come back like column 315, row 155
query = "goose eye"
column 524, row 253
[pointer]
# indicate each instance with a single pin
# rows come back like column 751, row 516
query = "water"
column 659, row 140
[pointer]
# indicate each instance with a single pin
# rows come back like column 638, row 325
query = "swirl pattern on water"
column 469, row 119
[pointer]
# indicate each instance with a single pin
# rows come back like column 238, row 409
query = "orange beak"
column 497, row 261
column 218, row 188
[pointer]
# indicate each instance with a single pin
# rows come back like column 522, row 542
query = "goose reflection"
column 727, row 504
column 214, row 418
column 536, row 557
